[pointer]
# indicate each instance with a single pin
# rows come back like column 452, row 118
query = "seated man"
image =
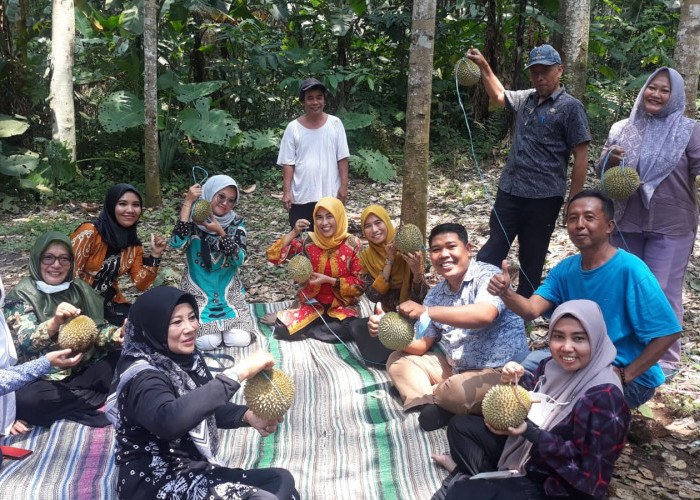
column 478, row 334
column 639, row 319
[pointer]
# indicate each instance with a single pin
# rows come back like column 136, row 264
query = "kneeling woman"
column 390, row 278
column 572, row 447
column 166, row 408
column 329, row 299
column 216, row 250
column 35, row 309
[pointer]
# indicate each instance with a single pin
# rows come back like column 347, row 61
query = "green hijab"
column 78, row 293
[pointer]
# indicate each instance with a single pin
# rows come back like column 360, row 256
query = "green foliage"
column 229, row 78
column 10, row 126
column 20, row 237
column 121, row 110
column 214, row 126
column 374, row 164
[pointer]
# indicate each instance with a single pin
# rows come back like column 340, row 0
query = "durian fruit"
column 201, row 211
column 468, row 73
column 78, row 334
column 300, row 268
column 502, row 408
column 619, row 183
column 409, row 239
column 395, row 331
column 269, row 398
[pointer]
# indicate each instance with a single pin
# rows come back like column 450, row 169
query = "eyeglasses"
column 221, row 198
column 48, row 259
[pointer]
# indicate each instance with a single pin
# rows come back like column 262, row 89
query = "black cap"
column 308, row 84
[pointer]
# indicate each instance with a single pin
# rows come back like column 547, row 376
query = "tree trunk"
column 414, row 203
column 150, row 97
column 686, row 55
column 61, row 86
column 574, row 16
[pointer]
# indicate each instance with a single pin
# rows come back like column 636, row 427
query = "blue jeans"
column 637, row 394
column 533, row 359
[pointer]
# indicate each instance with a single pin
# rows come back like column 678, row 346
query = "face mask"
column 540, row 411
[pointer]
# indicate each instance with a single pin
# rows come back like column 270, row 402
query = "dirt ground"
column 662, row 459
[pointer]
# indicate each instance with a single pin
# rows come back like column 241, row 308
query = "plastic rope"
column 273, row 385
column 478, row 169
column 194, row 174
column 359, row 358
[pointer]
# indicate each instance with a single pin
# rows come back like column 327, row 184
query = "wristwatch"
column 390, row 262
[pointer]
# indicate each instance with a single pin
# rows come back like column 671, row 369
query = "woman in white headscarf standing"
column 659, row 221
column 215, row 251
column 570, row 441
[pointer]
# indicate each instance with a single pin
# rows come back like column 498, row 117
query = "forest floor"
column 662, row 459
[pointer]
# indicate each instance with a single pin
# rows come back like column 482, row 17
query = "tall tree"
column 574, row 16
column 414, row 203
column 150, row 97
column 62, row 60
column 686, row 54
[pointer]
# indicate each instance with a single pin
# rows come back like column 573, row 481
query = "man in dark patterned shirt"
column 551, row 125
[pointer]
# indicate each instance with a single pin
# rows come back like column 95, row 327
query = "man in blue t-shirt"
column 640, row 321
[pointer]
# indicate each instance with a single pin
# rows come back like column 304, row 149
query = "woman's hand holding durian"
column 63, row 313
column 245, row 369
column 193, row 194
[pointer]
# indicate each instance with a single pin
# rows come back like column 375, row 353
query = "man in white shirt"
column 313, row 155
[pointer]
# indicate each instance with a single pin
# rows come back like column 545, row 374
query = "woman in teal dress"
column 215, row 251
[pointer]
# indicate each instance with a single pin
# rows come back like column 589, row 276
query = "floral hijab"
column 146, row 348
column 654, row 143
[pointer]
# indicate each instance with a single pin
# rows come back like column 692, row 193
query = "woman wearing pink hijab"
column 659, row 221
column 571, row 439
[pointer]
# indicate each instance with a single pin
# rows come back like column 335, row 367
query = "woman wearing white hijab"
column 659, row 221
column 582, row 422
column 215, row 249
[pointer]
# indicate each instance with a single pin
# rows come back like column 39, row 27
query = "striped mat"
column 345, row 436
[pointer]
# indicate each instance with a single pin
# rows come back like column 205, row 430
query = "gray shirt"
column 544, row 136
column 477, row 348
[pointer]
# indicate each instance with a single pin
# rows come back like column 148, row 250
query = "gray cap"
column 544, row 54
column 308, row 84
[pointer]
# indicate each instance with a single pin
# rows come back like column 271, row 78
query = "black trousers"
column 76, row 398
column 115, row 313
column 371, row 348
column 475, row 449
column 332, row 331
column 304, row 211
column 532, row 220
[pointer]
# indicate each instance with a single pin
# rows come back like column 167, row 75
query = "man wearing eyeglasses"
column 314, row 156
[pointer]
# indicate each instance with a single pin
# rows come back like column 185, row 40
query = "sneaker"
column 208, row 342
column 236, row 337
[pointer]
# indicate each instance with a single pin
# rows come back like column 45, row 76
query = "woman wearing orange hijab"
column 390, row 278
column 335, row 283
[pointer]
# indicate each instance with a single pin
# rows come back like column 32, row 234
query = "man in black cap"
column 313, row 155
column 550, row 125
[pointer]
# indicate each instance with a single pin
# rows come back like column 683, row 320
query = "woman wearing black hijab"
column 109, row 247
column 166, row 408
